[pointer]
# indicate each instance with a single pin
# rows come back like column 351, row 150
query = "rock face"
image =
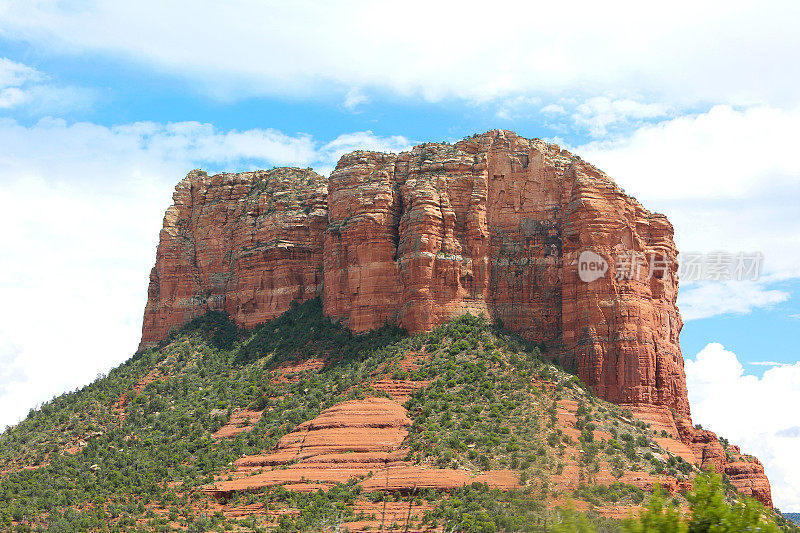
column 749, row 479
column 494, row 224
column 745, row 472
column 247, row 244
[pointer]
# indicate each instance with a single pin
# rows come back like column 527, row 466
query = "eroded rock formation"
column 247, row 244
column 493, row 224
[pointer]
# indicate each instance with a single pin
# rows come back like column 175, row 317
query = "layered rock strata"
column 352, row 439
column 495, row 224
column 248, row 244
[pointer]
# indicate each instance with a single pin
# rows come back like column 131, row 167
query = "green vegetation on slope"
column 157, row 447
column 129, row 451
column 491, row 407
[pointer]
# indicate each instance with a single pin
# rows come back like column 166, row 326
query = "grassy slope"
column 129, row 451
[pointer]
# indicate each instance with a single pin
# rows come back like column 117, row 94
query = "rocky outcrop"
column 495, row 224
column 362, row 277
column 248, row 244
column 352, row 439
column 745, row 472
column 749, row 479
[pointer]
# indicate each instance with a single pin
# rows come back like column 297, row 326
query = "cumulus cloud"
column 86, row 203
column 73, row 280
column 687, row 54
column 553, row 109
column 792, row 432
column 10, row 368
column 85, row 151
column 725, row 152
column 12, row 97
column 756, row 413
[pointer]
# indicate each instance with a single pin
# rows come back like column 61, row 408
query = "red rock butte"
column 493, row 224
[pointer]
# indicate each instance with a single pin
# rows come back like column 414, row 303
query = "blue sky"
column 764, row 334
column 105, row 106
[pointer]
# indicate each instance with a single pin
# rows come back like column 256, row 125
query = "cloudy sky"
column 693, row 107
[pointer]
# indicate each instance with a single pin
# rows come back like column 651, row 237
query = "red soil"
column 352, row 439
column 240, row 422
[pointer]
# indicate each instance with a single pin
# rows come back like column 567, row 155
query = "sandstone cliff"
column 492, row 224
column 247, row 244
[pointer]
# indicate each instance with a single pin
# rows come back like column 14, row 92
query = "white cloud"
column 14, row 74
column 553, row 109
column 12, row 97
column 723, row 153
column 360, row 140
column 74, row 274
column 792, row 432
column 690, row 53
column 85, row 203
column 758, row 414
column 767, row 363
column 86, row 151
column 596, row 114
column 517, row 107
column 354, row 98
column 728, row 179
column 49, row 99
column 10, row 368
column 711, row 298
column 24, row 87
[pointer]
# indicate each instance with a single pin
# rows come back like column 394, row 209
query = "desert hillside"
column 299, row 424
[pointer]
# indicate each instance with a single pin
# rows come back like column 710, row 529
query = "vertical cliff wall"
column 247, row 244
column 493, row 224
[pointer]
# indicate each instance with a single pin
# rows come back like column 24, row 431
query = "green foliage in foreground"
column 480, row 509
column 710, row 512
